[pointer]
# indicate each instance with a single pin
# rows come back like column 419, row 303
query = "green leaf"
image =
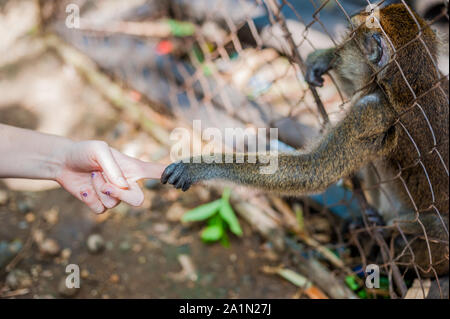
column 216, row 220
column 294, row 278
column 363, row 294
column 197, row 54
column 180, row 28
column 384, row 283
column 225, row 241
column 212, row 233
column 226, row 194
column 227, row 213
column 299, row 215
column 351, row 282
column 202, row 212
column 207, row 70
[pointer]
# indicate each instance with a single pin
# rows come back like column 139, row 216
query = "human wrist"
column 30, row 154
column 56, row 159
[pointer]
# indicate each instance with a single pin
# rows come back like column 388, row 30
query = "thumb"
column 110, row 167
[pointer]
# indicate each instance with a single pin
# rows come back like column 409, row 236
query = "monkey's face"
column 363, row 56
column 371, row 40
column 360, row 58
column 386, row 51
column 376, row 52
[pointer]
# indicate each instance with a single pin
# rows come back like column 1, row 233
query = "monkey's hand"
column 178, row 175
column 318, row 63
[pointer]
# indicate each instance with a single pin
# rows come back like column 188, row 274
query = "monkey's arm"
column 362, row 136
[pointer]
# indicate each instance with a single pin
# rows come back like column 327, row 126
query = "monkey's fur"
column 380, row 137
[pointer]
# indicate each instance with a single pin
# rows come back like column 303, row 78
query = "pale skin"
column 92, row 171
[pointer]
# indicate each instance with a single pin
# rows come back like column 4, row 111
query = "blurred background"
column 129, row 73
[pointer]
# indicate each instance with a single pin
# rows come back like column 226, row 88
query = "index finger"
column 132, row 196
column 110, row 167
column 141, row 169
column 150, row 170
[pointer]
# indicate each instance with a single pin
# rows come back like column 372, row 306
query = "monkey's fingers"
column 168, row 172
column 177, row 174
column 314, row 76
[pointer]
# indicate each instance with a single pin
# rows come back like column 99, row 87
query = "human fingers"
column 98, row 182
column 90, row 198
column 149, row 170
column 109, row 166
column 133, row 195
column 138, row 169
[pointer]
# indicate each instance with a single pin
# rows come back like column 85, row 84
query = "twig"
column 300, row 281
column 261, row 222
column 28, row 243
column 153, row 29
column 293, row 225
column 322, row 277
column 288, row 214
column 15, row 293
column 138, row 112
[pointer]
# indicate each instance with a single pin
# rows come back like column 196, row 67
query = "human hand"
column 101, row 176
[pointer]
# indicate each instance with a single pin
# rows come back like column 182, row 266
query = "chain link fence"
column 239, row 63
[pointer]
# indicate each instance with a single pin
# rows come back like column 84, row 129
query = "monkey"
column 394, row 135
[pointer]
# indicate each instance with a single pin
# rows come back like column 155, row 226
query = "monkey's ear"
column 374, row 48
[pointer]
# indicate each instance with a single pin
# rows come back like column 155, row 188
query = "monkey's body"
column 409, row 185
column 395, row 135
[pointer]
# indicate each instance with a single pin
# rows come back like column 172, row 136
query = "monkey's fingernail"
column 84, row 194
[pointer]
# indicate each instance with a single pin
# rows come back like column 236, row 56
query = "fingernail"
column 108, row 193
column 84, row 194
column 122, row 182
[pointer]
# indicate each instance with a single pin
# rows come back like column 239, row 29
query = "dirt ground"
column 142, row 250
column 147, row 252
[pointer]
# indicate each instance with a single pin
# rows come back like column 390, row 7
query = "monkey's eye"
column 374, row 48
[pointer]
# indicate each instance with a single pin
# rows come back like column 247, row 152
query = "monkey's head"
column 392, row 54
